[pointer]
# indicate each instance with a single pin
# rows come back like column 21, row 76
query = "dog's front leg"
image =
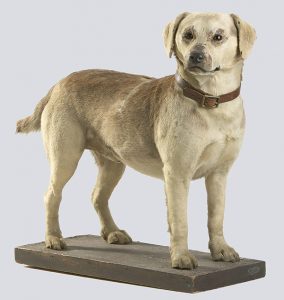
column 176, row 186
column 216, row 186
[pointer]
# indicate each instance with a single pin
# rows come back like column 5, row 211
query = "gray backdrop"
column 43, row 41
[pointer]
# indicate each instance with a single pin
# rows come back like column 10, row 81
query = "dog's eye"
column 188, row 35
column 217, row 37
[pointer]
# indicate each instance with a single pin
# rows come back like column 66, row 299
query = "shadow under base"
column 137, row 263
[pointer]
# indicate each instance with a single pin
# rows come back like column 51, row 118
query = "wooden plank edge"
column 133, row 275
column 104, row 270
column 239, row 274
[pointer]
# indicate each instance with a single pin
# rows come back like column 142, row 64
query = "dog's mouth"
column 200, row 70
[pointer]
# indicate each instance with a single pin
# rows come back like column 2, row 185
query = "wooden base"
column 137, row 263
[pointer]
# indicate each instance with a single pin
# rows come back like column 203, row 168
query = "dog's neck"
column 220, row 82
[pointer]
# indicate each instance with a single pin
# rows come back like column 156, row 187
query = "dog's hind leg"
column 109, row 174
column 64, row 143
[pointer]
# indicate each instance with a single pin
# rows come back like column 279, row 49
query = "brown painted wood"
column 137, row 263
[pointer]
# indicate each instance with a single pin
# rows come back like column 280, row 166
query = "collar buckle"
column 207, row 101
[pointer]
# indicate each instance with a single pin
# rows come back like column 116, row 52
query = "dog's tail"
column 33, row 122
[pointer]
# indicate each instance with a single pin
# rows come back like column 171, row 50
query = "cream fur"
column 148, row 124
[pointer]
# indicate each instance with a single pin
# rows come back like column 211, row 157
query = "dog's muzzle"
column 196, row 57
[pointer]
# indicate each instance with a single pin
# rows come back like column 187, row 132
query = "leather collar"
column 205, row 100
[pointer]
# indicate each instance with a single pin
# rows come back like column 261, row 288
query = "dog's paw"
column 223, row 252
column 118, row 237
column 54, row 242
column 184, row 261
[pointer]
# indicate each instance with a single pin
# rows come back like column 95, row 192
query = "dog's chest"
column 217, row 155
column 221, row 143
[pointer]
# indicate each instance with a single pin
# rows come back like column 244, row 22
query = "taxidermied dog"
column 176, row 128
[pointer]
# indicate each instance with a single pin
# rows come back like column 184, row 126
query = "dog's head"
column 204, row 43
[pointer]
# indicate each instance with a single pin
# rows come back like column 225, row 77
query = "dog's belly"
column 146, row 160
column 215, row 155
column 141, row 156
column 136, row 153
column 150, row 167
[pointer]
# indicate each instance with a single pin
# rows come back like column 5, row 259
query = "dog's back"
column 113, row 112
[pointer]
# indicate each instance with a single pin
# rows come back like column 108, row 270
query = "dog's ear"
column 170, row 33
column 246, row 36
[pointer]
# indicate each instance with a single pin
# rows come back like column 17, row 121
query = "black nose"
column 196, row 57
